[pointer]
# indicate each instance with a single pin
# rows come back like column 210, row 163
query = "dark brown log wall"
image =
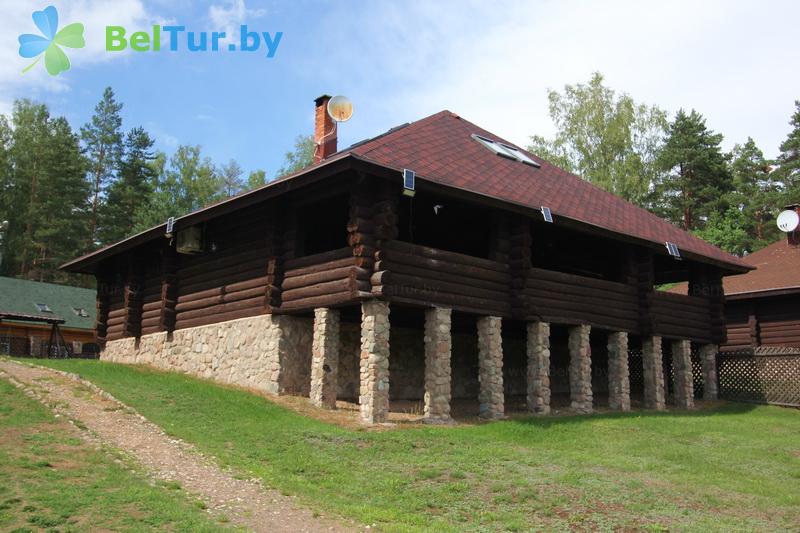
column 322, row 280
column 229, row 280
column 779, row 320
column 681, row 317
column 570, row 299
column 418, row 274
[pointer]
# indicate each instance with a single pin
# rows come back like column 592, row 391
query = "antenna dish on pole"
column 340, row 108
column 788, row 221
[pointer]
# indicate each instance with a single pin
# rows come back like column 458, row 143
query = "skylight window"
column 80, row 311
column 43, row 308
column 504, row 150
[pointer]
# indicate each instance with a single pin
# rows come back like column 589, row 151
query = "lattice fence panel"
column 636, row 371
column 773, row 379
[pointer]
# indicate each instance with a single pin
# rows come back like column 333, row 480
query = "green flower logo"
column 55, row 60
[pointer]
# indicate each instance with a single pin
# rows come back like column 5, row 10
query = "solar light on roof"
column 409, row 182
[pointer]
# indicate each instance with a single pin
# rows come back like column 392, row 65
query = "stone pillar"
column 325, row 358
column 438, row 346
column 682, row 381
column 580, row 369
column 539, row 367
column 619, row 385
column 653, row 370
column 374, row 390
column 708, row 357
column 490, row 367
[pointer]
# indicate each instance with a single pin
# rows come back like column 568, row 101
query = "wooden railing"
column 571, row 299
column 680, row 316
column 324, row 279
column 411, row 272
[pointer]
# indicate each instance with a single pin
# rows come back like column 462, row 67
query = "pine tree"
column 789, row 160
column 61, row 230
column 256, row 179
column 132, row 189
column 757, row 193
column 230, row 175
column 697, row 178
column 102, row 138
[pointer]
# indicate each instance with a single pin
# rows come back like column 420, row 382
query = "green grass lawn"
column 734, row 468
column 50, row 480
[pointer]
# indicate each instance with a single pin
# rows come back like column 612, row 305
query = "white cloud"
column 735, row 62
column 230, row 15
column 95, row 15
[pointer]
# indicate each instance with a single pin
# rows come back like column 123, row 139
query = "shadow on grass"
column 724, row 408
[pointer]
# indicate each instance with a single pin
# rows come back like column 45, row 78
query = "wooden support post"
column 134, row 285
column 169, row 288
column 520, row 243
column 276, row 252
column 102, row 299
column 645, row 281
column 383, row 213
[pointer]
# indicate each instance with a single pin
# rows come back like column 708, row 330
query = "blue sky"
column 491, row 62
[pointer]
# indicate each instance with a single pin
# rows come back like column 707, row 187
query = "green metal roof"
column 21, row 296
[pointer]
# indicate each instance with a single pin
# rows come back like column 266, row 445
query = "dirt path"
column 245, row 503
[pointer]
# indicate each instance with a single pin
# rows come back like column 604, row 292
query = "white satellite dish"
column 340, row 108
column 788, row 221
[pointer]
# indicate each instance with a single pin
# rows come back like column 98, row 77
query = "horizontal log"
column 429, row 297
column 409, row 270
column 222, row 289
column 692, row 301
column 217, row 262
column 319, row 301
column 186, row 289
column 222, row 308
column 113, row 313
column 321, row 289
column 221, row 298
column 393, row 256
column 226, row 272
column 598, row 313
column 149, row 306
column 293, row 282
column 626, row 300
column 573, row 318
column 150, row 330
column 628, row 310
column 318, row 268
column 150, row 323
column 219, row 317
column 442, row 255
column 394, row 278
column 324, row 257
column 581, row 281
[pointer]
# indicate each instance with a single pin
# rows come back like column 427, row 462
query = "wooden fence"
column 770, row 377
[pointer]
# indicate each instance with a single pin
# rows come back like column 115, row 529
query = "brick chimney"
column 324, row 130
column 793, row 237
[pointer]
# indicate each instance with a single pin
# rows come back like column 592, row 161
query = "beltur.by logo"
column 176, row 38
column 51, row 41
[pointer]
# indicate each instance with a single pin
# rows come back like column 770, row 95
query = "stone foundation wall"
column 267, row 353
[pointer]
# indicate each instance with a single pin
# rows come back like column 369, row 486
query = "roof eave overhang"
column 366, row 165
column 87, row 264
column 765, row 293
column 338, row 163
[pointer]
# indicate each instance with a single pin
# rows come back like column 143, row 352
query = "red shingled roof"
column 440, row 149
column 777, row 268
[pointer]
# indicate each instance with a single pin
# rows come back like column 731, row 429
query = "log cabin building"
column 762, row 307
column 435, row 263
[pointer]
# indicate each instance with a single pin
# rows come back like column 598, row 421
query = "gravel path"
column 106, row 421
